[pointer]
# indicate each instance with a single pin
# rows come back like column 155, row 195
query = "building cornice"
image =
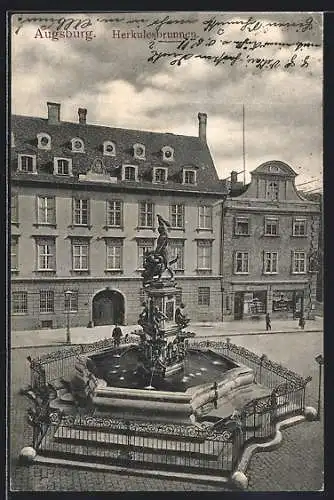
column 119, row 187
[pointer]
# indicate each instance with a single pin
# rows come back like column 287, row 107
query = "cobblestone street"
column 297, row 465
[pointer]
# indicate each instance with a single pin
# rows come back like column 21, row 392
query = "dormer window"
column 130, row 173
column 160, row 174
column 109, row 148
column 43, row 141
column 27, row 164
column 167, row 153
column 62, row 166
column 189, row 176
column 139, row 151
column 77, row 145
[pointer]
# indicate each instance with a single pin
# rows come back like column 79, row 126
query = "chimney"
column 82, row 112
column 202, row 117
column 234, row 177
column 53, row 113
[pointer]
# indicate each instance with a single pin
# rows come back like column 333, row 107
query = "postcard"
column 166, row 251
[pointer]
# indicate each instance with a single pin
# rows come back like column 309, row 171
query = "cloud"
column 113, row 79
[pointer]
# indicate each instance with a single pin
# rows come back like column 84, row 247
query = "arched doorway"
column 108, row 308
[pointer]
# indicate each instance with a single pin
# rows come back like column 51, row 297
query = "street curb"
column 270, row 445
column 225, row 335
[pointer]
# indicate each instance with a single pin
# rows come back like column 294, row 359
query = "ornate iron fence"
column 139, row 444
column 208, row 449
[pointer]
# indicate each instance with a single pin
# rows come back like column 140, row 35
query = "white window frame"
column 269, row 193
column 241, row 219
column 56, row 166
column 204, row 244
column 14, row 253
column 48, row 300
column 243, row 257
column 165, row 150
column 296, row 259
column 74, row 149
column 80, row 212
column 299, row 220
column 268, row 221
column 20, row 298
column 71, row 301
column 114, row 209
column 266, row 255
column 45, row 211
column 204, row 215
column 81, row 255
column 34, row 163
column 189, row 170
column 106, row 152
column 177, row 215
column 116, row 245
column 143, row 246
column 203, row 292
column 40, row 137
column 176, row 247
column 156, row 170
column 146, row 213
column 14, row 208
column 135, row 167
column 46, row 253
column 136, row 154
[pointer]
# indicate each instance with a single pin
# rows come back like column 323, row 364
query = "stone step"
column 209, row 448
column 160, row 460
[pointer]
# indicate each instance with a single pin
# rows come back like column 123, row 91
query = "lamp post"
column 320, row 360
column 68, row 294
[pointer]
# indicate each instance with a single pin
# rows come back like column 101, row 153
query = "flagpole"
column 243, row 143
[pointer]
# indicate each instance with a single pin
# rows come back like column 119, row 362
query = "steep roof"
column 188, row 151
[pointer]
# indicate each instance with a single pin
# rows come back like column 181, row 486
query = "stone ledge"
column 159, row 474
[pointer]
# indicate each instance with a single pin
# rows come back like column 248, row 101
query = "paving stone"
column 296, row 466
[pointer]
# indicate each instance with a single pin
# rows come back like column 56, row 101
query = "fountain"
column 159, row 376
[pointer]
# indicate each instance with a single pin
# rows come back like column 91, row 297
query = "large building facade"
column 84, row 201
column 270, row 245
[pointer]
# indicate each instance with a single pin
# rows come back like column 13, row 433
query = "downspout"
column 221, row 261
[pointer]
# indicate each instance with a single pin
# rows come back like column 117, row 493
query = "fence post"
column 263, row 357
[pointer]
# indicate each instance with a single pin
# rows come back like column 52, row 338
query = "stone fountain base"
column 177, row 406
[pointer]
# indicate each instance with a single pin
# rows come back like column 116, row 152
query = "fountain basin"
column 177, row 399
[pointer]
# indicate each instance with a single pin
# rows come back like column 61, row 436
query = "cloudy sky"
column 113, row 79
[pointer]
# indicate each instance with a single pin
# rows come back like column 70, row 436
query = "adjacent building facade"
column 84, row 200
column 270, row 245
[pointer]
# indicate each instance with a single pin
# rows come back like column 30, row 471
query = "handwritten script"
column 249, row 42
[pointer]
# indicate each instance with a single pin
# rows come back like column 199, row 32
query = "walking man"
column 117, row 335
column 302, row 322
column 268, row 322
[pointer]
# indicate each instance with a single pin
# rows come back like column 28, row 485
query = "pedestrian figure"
column 117, row 335
column 215, row 398
column 302, row 322
column 268, row 322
